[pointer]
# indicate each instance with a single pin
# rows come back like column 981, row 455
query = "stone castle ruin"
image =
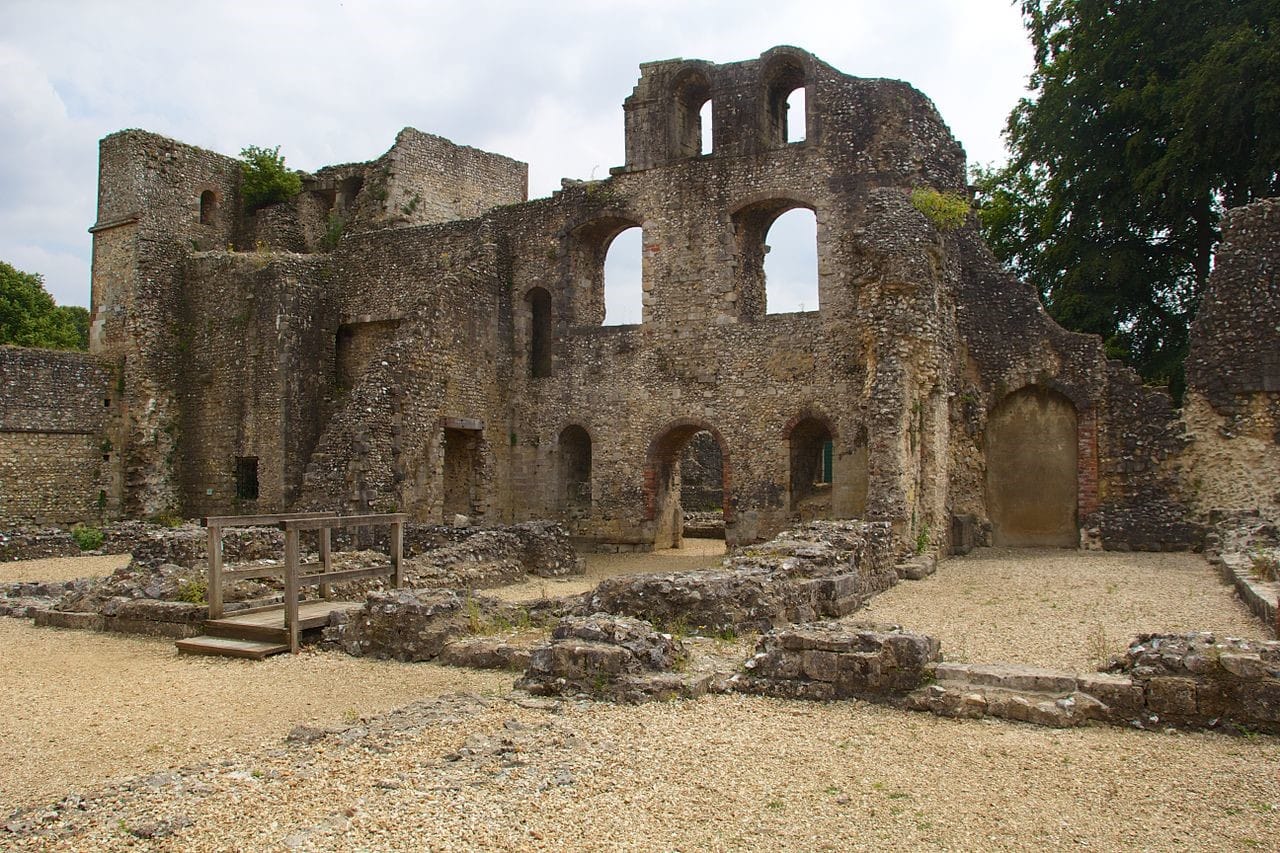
column 414, row 334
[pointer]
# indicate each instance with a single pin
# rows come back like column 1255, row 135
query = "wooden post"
column 397, row 553
column 291, row 586
column 214, row 591
column 326, row 564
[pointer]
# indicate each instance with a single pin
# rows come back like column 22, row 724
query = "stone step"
column 230, row 647
column 1013, row 677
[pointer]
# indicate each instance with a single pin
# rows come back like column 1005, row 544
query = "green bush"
column 167, row 518
column 193, row 590
column 88, row 538
column 945, row 210
column 266, row 180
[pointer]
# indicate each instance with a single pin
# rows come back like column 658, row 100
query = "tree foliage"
column 29, row 317
column 1146, row 120
column 266, row 180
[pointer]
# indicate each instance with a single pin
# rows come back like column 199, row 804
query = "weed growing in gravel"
column 87, row 538
column 1265, row 566
column 1099, row 647
column 193, row 590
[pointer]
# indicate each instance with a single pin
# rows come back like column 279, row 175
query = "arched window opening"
column 706, row 128
column 796, row 116
column 791, row 263
column 786, row 116
column 692, row 116
column 575, row 471
column 812, row 454
column 623, row 288
column 539, row 332
column 208, row 206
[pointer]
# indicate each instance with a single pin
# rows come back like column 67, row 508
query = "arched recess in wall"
column 540, row 332
column 663, row 507
column 1031, row 454
column 811, row 451
column 615, row 242
column 691, row 115
column 776, row 245
column 782, row 123
column 574, row 472
column 208, row 206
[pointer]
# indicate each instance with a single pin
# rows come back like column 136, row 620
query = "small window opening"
column 247, row 478
column 691, row 116
column 794, row 120
column 705, row 127
column 539, row 332
column 106, row 402
column 575, row 471
column 208, row 205
column 623, row 288
column 787, row 113
column 811, row 475
column 791, row 263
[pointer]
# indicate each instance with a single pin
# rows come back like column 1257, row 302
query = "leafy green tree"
column 266, row 180
column 29, row 317
column 1146, row 120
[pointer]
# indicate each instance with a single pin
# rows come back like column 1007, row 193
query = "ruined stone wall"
column 1232, row 406
column 426, row 179
column 149, row 218
column 257, row 330
column 443, row 367
column 707, row 355
column 59, row 433
column 1129, row 439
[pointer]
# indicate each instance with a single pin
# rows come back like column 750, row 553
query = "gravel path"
column 1063, row 609
column 62, row 568
column 498, row 772
column 696, row 554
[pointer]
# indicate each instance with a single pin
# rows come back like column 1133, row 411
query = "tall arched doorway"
column 1031, row 448
column 665, row 510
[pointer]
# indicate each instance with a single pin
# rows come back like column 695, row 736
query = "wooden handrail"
column 292, row 523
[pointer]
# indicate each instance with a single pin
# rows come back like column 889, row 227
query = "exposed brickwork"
column 58, row 413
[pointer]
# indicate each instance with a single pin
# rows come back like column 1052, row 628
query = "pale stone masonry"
column 411, row 333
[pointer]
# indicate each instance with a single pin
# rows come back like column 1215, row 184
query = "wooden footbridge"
column 257, row 632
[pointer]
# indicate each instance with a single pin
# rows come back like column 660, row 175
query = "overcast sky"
column 333, row 82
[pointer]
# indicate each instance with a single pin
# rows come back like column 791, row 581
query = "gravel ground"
column 1062, row 609
column 696, row 554
column 721, row 773
column 62, row 568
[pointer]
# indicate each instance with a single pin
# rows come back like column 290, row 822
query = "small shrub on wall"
column 266, row 180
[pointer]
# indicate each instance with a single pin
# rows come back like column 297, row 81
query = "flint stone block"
column 1172, row 695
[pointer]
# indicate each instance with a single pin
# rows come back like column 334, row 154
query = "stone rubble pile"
column 826, row 661
column 615, row 658
column 824, row 569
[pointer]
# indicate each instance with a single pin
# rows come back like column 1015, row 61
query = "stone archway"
column 1031, row 454
column 664, row 510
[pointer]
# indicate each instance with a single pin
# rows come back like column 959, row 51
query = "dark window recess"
column 540, row 333
column 208, row 205
column 247, row 478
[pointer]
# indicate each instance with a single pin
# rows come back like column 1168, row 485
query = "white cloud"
column 334, row 80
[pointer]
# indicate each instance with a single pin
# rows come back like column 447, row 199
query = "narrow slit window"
column 247, row 478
